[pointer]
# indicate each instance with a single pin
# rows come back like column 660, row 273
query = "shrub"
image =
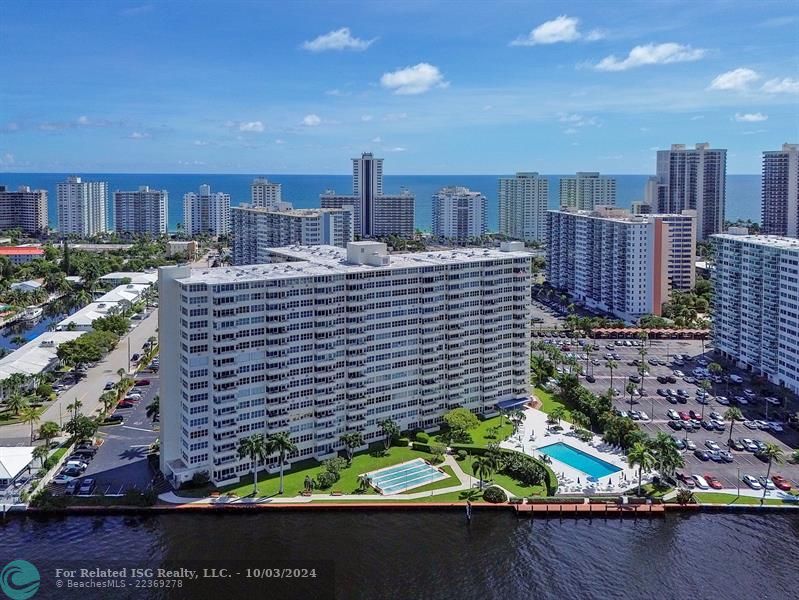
column 402, row 442
column 326, row 479
column 422, row 437
column 462, row 454
column 494, row 495
column 524, row 469
column 200, row 478
column 335, row 465
column 685, row 496
column 44, row 391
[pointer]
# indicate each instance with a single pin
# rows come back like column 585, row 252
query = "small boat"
column 31, row 313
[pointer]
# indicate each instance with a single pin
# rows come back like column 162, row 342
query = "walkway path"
column 465, row 482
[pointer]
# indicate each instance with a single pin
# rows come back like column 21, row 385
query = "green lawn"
column 550, row 403
column 448, row 497
column 651, row 491
column 7, row 417
column 510, row 484
column 294, row 479
column 483, row 436
column 716, row 498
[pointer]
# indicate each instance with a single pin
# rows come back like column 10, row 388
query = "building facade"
column 523, row 203
column 143, row 212
column 256, row 230
column 756, row 303
column 24, row 208
column 780, row 192
column 206, row 212
column 693, row 179
column 82, row 207
column 459, row 213
column 19, row 255
column 622, row 264
column 265, row 193
column 325, row 340
column 587, row 190
column 375, row 214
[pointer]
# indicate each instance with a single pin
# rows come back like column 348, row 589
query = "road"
column 90, row 388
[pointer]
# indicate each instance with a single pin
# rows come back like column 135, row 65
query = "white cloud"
column 781, row 86
column 697, row 117
column 595, row 35
column 366, row 118
column 377, row 140
column 651, row 54
column 83, row 120
column 279, row 141
column 413, row 80
column 340, row 39
column 577, row 120
column 311, row 120
column 337, row 92
column 138, row 135
column 251, row 126
column 200, row 143
column 560, row 29
column 395, row 149
column 737, row 79
column 395, row 116
column 750, row 117
column 570, row 131
column 7, row 159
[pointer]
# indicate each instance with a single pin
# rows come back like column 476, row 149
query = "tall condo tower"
column 585, row 191
column 523, row 201
column 82, row 207
column 206, row 212
column 141, row 212
column 459, row 213
column 780, row 191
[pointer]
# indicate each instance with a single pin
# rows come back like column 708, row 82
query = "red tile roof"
column 19, row 250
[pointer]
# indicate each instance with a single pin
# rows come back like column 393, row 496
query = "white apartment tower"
column 756, row 310
column 375, row 214
column 780, row 191
column 693, row 179
column 459, row 213
column 324, row 341
column 256, row 230
column 82, row 207
column 586, row 190
column 622, row 264
column 143, row 212
column 24, row 208
column 206, row 212
column 523, row 203
column 265, row 193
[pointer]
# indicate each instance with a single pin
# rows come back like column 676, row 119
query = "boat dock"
column 590, row 510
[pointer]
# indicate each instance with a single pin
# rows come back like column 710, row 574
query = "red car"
column 713, row 482
column 781, row 483
column 125, row 404
column 143, row 382
column 685, row 416
column 694, row 415
column 687, row 480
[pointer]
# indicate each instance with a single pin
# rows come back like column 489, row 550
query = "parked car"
column 135, row 357
column 769, row 485
column 125, row 404
column 726, row 456
column 62, row 479
column 675, row 425
column 590, row 378
column 712, row 445
column 736, row 445
column 690, row 445
column 87, row 486
column 684, row 416
column 72, row 471
column 713, row 481
column 77, row 464
column 672, row 414
column 694, row 415
column 701, row 455
column 781, row 482
column 679, row 442
column 113, row 419
column 701, row 483
column 749, row 444
column 751, row 482
column 109, row 385
column 688, row 480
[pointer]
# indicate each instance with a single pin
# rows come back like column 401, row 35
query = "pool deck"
column 533, row 434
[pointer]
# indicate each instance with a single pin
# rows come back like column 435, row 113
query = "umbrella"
column 578, row 480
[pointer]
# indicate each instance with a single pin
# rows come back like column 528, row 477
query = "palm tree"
column 774, row 454
column 483, row 468
column 281, row 443
column 153, row 410
column 390, row 431
column 795, row 456
column 30, row 415
column 47, row 431
column 256, row 449
column 667, row 456
column 733, row 414
column 18, row 340
column 641, row 456
column 516, row 417
column 122, row 374
column 40, row 453
column 74, row 407
column 581, row 420
column 557, row 413
column 17, row 402
column 364, row 481
column 611, row 364
column 108, row 400
column 715, row 369
column 351, row 441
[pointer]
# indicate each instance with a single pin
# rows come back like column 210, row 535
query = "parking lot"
column 121, row 462
column 655, row 405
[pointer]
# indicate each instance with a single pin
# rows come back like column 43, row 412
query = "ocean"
column 743, row 191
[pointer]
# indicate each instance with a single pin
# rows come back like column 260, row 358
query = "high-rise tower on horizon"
column 523, row 203
column 82, row 207
column 206, row 212
column 587, row 190
column 143, row 211
column 780, row 191
column 693, row 179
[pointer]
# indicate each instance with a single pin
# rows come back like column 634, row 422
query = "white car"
column 690, row 445
column 723, row 400
column 775, row 427
column 750, row 424
column 62, row 479
column 712, row 445
column 643, row 416
column 76, row 463
column 673, row 415
column 751, row 482
column 749, row 444
column 766, row 483
column 679, row 373
column 749, row 393
column 701, row 483
column 762, row 424
column 736, row 379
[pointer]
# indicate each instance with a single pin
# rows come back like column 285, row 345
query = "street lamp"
column 739, row 482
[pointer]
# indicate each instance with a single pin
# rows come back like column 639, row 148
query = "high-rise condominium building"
column 206, row 212
column 459, row 213
column 584, row 191
column 375, row 213
column 756, row 311
column 325, row 340
column 523, row 203
column 141, row 212
column 256, row 230
column 24, row 208
column 641, row 208
column 82, row 207
column 623, row 264
column 780, row 192
column 265, row 194
column 695, row 179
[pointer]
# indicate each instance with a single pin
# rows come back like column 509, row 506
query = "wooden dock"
column 591, row 510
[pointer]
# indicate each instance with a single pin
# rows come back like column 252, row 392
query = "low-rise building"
column 14, row 461
column 31, row 285
column 188, row 248
column 19, row 255
column 35, row 357
column 134, row 277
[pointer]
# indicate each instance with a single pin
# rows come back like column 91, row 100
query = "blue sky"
column 434, row 87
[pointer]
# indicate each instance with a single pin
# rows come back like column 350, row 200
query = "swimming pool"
column 404, row 476
column 577, row 459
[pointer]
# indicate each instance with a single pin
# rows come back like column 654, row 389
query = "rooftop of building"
column 308, row 261
column 35, row 356
column 136, row 277
column 618, row 214
column 20, row 250
column 291, row 212
column 772, row 241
